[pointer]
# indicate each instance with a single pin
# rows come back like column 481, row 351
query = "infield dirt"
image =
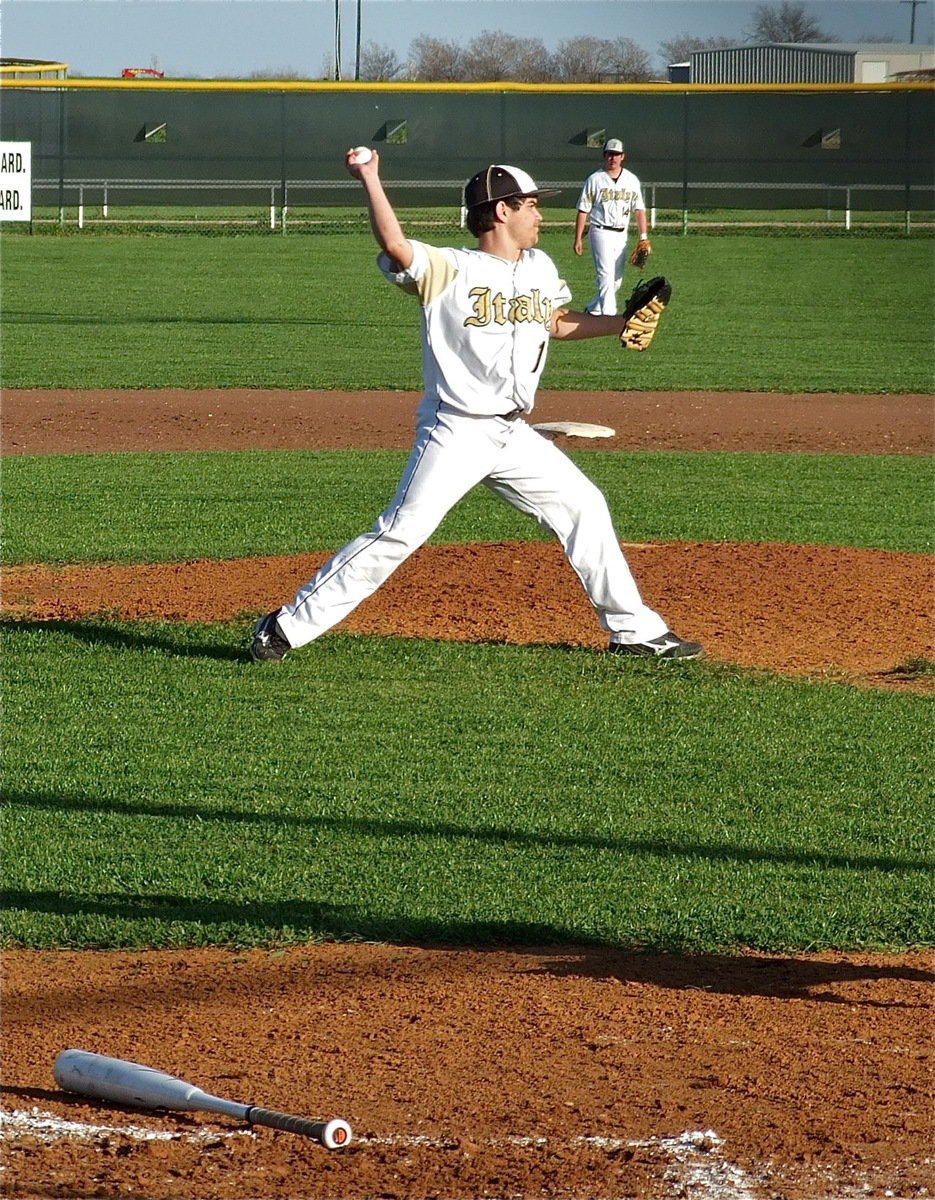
column 512, row 1072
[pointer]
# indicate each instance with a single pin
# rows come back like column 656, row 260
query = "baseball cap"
column 613, row 146
column 498, row 182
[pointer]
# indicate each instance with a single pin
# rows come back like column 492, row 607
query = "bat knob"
column 336, row 1134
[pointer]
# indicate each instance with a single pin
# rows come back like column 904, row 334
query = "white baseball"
column 362, row 154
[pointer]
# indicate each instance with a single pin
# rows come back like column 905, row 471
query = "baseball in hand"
column 361, row 155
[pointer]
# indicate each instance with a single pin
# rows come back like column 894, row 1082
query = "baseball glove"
column 643, row 312
column 641, row 253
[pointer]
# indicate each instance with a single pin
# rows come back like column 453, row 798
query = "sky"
column 237, row 38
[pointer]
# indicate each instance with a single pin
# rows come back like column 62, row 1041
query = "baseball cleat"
column 670, row 645
column 268, row 644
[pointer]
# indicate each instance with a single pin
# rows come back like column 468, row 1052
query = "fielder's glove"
column 643, row 312
column 641, row 253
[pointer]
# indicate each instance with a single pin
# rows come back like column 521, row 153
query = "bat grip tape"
column 278, row 1120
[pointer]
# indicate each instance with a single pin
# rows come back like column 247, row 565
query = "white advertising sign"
column 15, row 181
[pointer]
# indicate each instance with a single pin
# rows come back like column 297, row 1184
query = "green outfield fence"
column 270, row 154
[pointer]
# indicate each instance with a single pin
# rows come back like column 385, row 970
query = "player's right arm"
column 383, row 220
column 581, row 219
column 585, row 204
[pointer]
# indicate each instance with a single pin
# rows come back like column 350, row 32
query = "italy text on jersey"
column 625, row 196
column 490, row 306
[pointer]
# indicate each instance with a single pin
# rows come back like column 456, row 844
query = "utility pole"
column 337, row 40
column 357, row 55
column 912, row 22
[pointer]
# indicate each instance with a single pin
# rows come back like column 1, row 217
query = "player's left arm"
column 570, row 326
column 638, row 208
column 639, row 211
column 636, row 326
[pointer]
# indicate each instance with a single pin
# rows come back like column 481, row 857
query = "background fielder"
column 487, row 316
column 607, row 200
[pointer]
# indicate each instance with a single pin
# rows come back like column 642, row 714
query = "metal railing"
column 845, row 194
column 278, row 195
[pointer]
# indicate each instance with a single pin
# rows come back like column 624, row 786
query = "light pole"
column 337, row 40
column 912, row 21
column 357, row 54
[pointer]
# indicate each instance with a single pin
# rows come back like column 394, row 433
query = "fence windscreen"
column 151, row 145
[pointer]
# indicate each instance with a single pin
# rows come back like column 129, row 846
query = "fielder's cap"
column 613, row 146
column 498, row 182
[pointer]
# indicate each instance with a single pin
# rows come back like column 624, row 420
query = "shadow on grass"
column 123, row 634
column 139, row 634
column 379, row 827
column 556, row 951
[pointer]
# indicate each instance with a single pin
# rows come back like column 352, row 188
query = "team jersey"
column 610, row 201
column 485, row 324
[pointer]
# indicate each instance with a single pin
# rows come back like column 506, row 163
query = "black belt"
column 611, row 228
column 512, row 416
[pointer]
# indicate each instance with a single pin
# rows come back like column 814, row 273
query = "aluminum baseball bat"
column 132, row 1084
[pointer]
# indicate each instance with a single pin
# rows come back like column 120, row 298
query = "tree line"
column 493, row 56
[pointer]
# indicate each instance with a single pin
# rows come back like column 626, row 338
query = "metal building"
column 790, row 62
column 32, row 68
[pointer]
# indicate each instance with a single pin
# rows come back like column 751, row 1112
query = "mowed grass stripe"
column 748, row 313
column 161, row 791
column 173, row 507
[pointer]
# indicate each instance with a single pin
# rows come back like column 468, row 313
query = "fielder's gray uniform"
column 485, row 334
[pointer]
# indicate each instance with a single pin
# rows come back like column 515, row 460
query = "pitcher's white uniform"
column 485, row 335
column 609, row 203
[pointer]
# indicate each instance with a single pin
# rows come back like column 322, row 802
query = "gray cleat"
column 268, row 644
column 670, row 645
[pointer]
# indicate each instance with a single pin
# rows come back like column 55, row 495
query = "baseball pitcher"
column 488, row 315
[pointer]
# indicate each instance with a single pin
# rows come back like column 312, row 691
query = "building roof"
column 836, row 47
column 868, row 47
column 28, row 67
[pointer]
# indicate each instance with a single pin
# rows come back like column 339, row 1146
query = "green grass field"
column 748, row 313
column 161, row 791
column 171, row 507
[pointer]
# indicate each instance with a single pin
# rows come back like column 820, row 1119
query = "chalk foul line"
column 696, row 1162
column 48, row 1127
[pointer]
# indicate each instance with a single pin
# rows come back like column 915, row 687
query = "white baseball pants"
column 452, row 453
column 609, row 251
